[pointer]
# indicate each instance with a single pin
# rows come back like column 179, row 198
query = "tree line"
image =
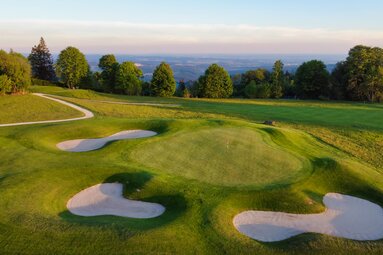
column 358, row 78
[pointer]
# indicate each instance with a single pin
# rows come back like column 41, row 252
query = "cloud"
column 124, row 37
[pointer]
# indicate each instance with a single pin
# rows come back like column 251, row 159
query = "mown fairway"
column 211, row 160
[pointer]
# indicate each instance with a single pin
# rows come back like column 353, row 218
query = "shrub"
column 15, row 71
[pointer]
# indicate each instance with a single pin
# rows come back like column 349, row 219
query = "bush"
column 5, row 84
column 38, row 82
column 15, row 71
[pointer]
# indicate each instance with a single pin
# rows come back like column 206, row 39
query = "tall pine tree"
column 42, row 62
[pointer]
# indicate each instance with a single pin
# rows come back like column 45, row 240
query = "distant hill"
column 190, row 67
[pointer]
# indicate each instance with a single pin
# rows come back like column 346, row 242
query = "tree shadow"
column 175, row 205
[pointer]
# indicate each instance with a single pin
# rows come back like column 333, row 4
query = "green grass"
column 324, row 147
column 24, row 108
column 226, row 155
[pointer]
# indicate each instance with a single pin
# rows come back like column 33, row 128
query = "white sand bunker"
column 107, row 199
column 345, row 216
column 81, row 145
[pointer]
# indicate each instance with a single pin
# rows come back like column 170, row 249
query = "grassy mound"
column 228, row 156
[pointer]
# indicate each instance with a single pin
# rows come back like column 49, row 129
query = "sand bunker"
column 345, row 216
column 107, row 199
column 81, row 145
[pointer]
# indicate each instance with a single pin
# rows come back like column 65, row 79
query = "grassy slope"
column 36, row 180
column 24, row 108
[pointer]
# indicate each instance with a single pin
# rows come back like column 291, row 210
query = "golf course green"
column 211, row 160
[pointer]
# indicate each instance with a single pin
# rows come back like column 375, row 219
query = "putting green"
column 227, row 156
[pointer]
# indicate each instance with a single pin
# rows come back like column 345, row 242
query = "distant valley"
column 191, row 67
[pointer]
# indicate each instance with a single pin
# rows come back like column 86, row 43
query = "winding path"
column 87, row 114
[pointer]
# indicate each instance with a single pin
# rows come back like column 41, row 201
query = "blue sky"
column 210, row 26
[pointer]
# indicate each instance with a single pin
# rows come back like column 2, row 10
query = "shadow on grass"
column 175, row 205
column 334, row 177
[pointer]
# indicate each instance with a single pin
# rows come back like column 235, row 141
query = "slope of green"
column 231, row 156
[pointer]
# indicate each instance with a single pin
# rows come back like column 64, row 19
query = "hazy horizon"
column 172, row 27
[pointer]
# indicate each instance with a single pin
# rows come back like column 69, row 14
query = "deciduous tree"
column 72, row 67
column 312, row 80
column 216, row 83
column 163, row 83
column 128, row 79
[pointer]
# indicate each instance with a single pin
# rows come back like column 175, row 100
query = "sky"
column 192, row 27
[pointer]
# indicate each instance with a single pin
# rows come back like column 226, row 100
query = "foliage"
column 312, row 80
column 15, row 71
column 186, row 93
column 277, row 80
column 216, row 83
column 42, row 62
column 128, row 79
column 5, row 84
column 365, row 73
column 38, row 82
column 339, row 81
column 254, row 90
column 72, row 67
column 180, row 88
column 163, row 83
column 109, row 66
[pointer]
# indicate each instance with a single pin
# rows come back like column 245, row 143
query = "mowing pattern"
column 225, row 156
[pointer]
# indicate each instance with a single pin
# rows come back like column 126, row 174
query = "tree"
column 339, row 81
column 251, row 90
column 15, row 72
column 181, row 88
column 128, row 79
column 259, row 75
column 72, row 67
column 109, row 66
column 216, row 83
column 365, row 77
column 277, row 80
column 254, row 90
column 236, row 80
column 42, row 62
column 163, row 83
column 312, row 80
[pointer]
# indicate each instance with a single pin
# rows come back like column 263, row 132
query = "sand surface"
column 82, row 145
column 87, row 114
column 107, row 199
column 345, row 216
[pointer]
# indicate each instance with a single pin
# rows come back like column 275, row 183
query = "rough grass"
column 36, row 179
column 24, row 108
